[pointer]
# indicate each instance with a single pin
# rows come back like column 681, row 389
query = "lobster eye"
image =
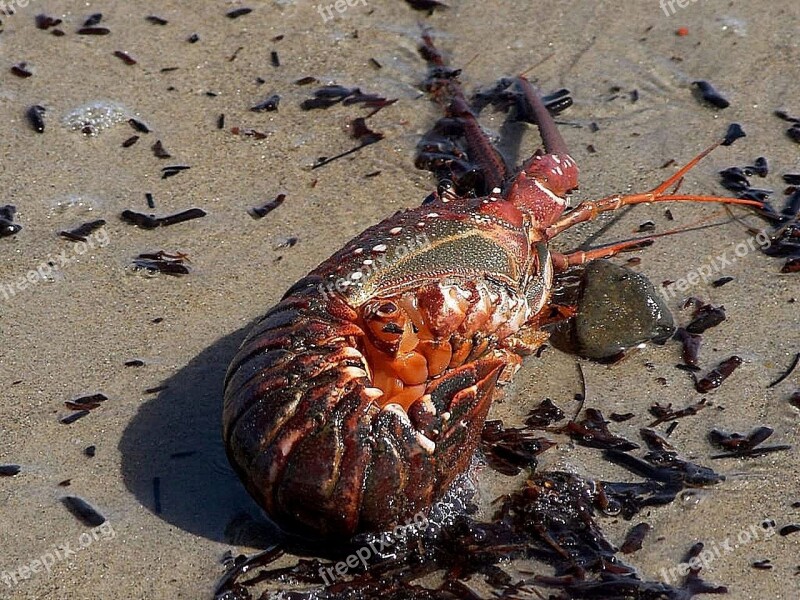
column 386, row 309
column 445, row 185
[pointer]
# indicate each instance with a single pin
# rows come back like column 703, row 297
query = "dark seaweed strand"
column 718, row 375
column 238, row 12
column 150, row 222
column 70, row 419
column 635, row 538
column 788, row 371
column 138, row 125
column 734, row 132
column 125, row 57
column 259, row 212
column 35, row 116
column 159, row 151
column 270, row 104
column 710, row 95
column 7, row 225
column 45, row 22
column 9, row 470
column 83, row 511
column 162, row 262
column 93, row 19
column 186, row 215
column 532, row 522
column 21, row 70
column 79, row 233
column 93, row 31
column 173, row 170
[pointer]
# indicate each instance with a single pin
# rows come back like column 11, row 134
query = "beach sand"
column 72, row 333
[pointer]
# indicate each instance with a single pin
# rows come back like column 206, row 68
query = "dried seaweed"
column 552, row 518
column 162, row 262
column 737, row 445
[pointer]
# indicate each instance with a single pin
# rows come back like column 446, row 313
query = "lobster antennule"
column 491, row 162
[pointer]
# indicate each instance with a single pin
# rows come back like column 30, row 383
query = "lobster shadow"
column 173, row 457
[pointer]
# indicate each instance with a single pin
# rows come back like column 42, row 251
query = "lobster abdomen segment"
column 304, row 431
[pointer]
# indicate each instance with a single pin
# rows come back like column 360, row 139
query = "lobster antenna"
column 551, row 136
column 637, row 243
column 588, row 211
column 536, row 65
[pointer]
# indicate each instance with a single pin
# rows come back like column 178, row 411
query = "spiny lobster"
column 357, row 399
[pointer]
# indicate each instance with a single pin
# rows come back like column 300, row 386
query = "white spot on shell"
column 367, row 262
column 397, row 410
column 358, row 251
column 350, row 352
column 354, row 372
column 395, row 230
column 432, row 215
column 426, row 443
column 356, row 276
column 373, row 393
column 496, row 190
column 379, row 248
column 427, row 404
column 551, row 195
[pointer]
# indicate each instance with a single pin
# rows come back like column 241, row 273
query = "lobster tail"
column 305, row 433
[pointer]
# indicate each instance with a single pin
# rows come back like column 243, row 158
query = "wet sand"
column 71, row 335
